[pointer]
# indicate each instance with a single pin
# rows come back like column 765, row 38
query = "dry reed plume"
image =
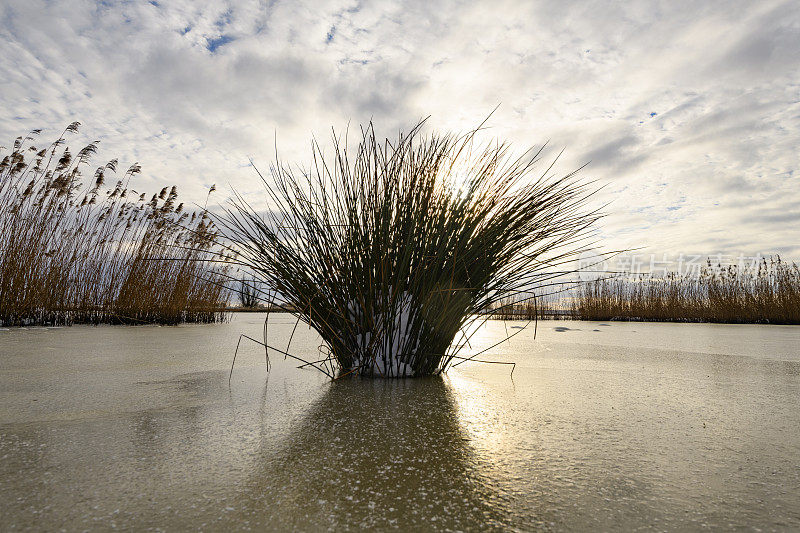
column 75, row 251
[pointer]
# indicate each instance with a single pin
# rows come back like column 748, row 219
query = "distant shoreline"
column 255, row 310
column 561, row 315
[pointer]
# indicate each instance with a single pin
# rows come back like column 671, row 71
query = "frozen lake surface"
column 604, row 426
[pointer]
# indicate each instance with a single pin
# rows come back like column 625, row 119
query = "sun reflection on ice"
column 479, row 412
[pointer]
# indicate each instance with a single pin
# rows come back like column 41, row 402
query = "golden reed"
column 75, row 251
column 769, row 294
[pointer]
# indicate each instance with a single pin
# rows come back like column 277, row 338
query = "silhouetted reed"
column 769, row 294
column 248, row 294
column 393, row 251
column 75, row 251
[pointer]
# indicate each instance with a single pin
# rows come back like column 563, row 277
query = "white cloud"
column 689, row 111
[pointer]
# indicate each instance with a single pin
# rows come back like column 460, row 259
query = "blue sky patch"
column 222, row 40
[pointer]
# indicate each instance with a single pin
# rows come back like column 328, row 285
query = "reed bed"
column 393, row 251
column 768, row 294
column 75, row 251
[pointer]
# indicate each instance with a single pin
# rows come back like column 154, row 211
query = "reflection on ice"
column 664, row 426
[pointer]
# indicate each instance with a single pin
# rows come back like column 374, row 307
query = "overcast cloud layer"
column 688, row 111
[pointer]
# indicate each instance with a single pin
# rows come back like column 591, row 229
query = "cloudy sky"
column 688, row 112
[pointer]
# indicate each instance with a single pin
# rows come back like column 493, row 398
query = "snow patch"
column 391, row 354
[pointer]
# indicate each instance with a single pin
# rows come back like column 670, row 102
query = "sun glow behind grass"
column 390, row 249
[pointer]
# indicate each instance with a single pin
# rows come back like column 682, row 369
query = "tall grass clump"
column 73, row 250
column 391, row 251
column 769, row 294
